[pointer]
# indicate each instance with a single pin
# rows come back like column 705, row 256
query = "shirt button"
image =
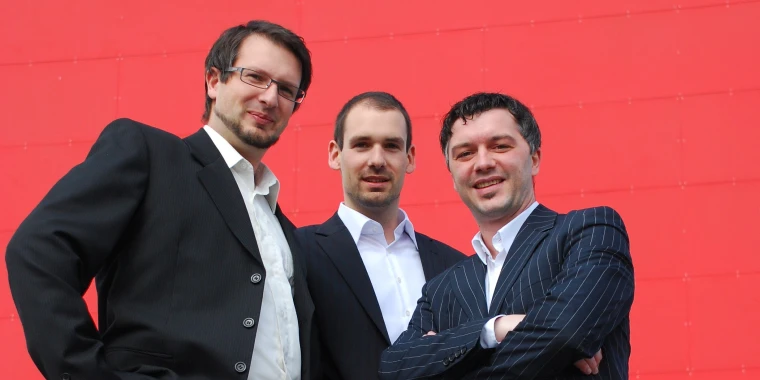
column 65, row 376
column 248, row 323
column 256, row 278
column 398, row 279
column 240, row 367
column 408, row 313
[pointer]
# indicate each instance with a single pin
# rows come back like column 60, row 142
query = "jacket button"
column 240, row 367
column 248, row 323
column 65, row 376
column 446, row 361
column 256, row 278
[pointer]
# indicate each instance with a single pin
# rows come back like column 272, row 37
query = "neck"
column 386, row 216
column 250, row 153
column 489, row 227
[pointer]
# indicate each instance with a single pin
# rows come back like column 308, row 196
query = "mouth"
column 261, row 118
column 482, row 184
column 375, row 179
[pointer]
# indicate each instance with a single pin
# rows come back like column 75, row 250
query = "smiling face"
column 247, row 115
column 492, row 166
column 374, row 159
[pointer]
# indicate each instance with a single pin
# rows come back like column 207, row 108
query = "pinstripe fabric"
column 571, row 275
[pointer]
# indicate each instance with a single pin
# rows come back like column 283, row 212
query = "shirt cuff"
column 488, row 334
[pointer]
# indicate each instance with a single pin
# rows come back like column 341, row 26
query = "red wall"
column 647, row 106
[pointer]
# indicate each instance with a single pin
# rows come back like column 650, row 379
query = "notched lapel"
column 535, row 229
column 218, row 181
column 468, row 284
column 336, row 242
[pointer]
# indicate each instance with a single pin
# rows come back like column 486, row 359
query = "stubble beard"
column 371, row 200
column 260, row 141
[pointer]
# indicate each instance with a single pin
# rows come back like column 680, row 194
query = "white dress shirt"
column 277, row 350
column 502, row 241
column 394, row 269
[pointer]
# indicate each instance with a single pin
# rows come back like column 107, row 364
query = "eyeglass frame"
column 271, row 80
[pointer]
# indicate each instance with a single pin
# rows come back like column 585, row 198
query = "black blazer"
column 570, row 274
column 161, row 225
column 348, row 316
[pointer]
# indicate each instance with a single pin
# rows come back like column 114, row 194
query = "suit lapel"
column 431, row 265
column 468, row 284
column 336, row 242
column 532, row 232
column 218, row 181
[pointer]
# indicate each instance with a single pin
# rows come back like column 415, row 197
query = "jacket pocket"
column 135, row 360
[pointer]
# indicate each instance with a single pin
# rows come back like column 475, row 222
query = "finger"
column 430, row 333
column 593, row 365
column 598, row 357
column 583, row 366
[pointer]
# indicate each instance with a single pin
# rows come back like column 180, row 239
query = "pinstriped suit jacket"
column 571, row 275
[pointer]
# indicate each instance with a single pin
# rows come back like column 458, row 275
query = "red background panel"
column 711, row 38
column 720, row 230
column 660, row 315
column 646, row 106
column 722, row 311
column 413, row 67
column 621, row 145
column 165, row 90
column 57, row 102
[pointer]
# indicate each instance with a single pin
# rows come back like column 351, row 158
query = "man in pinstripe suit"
column 543, row 291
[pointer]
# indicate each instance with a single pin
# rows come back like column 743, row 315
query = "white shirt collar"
column 358, row 224
column 503, row 238
column 268, row 186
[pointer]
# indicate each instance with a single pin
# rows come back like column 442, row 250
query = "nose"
column 376, row 157
column 269, row 96
column 484, row 161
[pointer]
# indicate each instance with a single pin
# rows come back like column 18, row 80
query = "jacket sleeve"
column 414, row 355
column 57, row 250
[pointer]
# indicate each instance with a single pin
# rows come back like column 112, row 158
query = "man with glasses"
column 197, row 272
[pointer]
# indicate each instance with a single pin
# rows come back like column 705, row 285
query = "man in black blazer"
column 197, row 270
column 544, row 290
column 366, row 263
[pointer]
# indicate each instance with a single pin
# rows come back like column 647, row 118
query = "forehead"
column 484, row 126
column 258, row 52
column 365, row 120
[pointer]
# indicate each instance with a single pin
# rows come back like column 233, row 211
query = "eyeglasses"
column 261, row 80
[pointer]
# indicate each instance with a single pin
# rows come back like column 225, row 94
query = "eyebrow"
column 396, row 140
column 492, row 139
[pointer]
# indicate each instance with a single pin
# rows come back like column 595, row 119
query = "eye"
column 254, row 76
column 463, row 154
column 288, row 91
column 392, row 146
column 361, row 144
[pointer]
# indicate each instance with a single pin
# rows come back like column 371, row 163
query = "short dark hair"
column 478, row 103
column 225, row 51
column 378, row 100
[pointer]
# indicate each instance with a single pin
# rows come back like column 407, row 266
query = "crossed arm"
column 589, row 298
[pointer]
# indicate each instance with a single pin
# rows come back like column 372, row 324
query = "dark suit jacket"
column 351, row 327
column 570, row 274
column 161, row 225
